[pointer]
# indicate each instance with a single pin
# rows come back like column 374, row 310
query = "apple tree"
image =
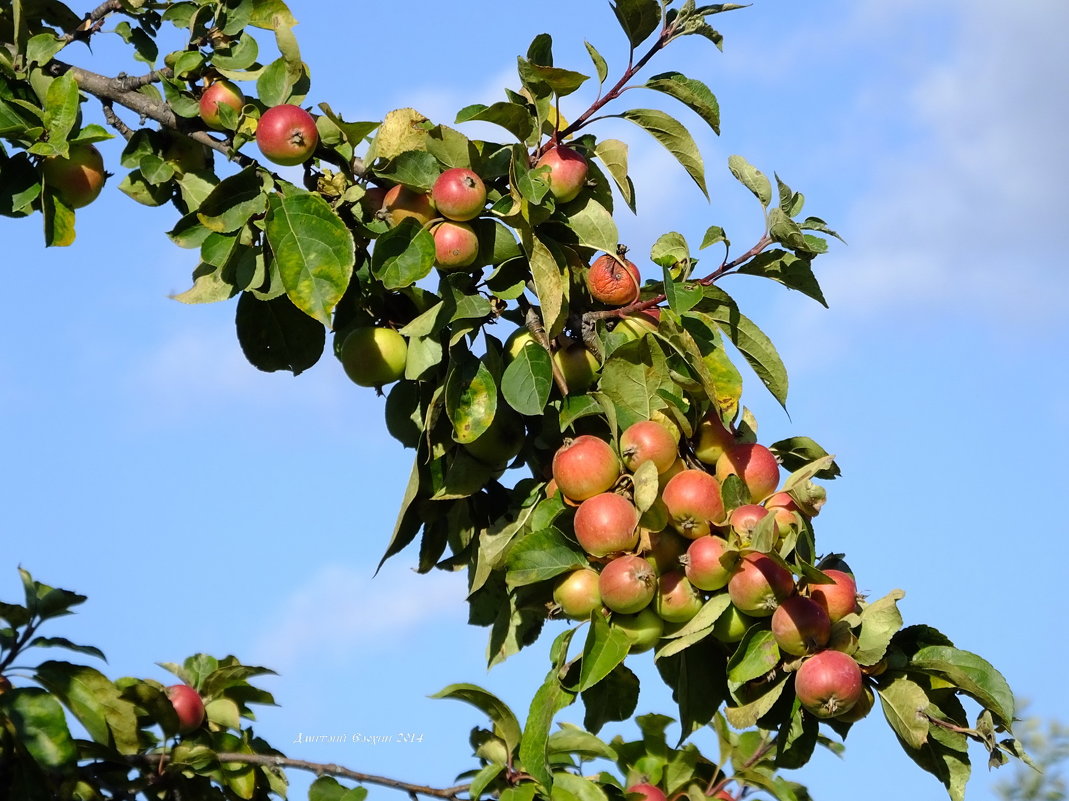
column 581, row 449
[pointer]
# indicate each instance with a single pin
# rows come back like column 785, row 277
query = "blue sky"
column 204, row 506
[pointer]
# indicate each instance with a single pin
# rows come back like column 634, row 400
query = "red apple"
column 220, row 93
column 287, row 135
column 188, row 706
column 78, row 178
column 829, row 683
column 754, row 464
column 839, row 598
column 585, row 466
column 648, row 441
column 613, row 280
column 567, row 172
column 606, row 523
column 455, row 245
column 459, row 194
column 694, row 503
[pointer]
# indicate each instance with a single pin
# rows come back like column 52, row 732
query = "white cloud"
column 343, row 610
column 964, row 213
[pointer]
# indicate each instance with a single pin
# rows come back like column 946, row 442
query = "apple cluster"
column 654, row 564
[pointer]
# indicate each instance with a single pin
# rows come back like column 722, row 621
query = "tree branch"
column 715, row 275
column 319, row 768
column 116, row 91
column 92, row 22
column 112, row 119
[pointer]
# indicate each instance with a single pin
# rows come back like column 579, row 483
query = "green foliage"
column 343, row 251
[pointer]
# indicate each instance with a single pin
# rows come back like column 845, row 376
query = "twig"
column 92, row 22
column 113, row 120
column 708, row 280
column 115, row 90
column 534, row 325
column 320, row 768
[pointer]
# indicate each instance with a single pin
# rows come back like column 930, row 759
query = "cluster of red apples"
column 652, row 571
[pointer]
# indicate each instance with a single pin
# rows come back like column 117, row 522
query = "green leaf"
column 95, row 701
column 754, row 345
column 271, row 15
column 784, row 230
column 600, row 66
column 560, row 81
column 795, row 453
column 672, row 252
column 613, row 698
column 787, row 269
column 416, row 169
column 58, row 219
column 505, row 724
column 513, row 117
column 540, row 556
column 797, row 739
column 972, row 674
column 754, row 702
column 570, row 739
column 527, row 381
column 276, row 335
column 314, row 251
column 593, row 225
column 752, row 178
column 40, row 727
column 675, row 138
column 638, row 18
column 549, row 281
column 880, row 621
column 233, row 202
column 403, row 255
column 604, row 649
column 63, row 642
column 550, row 698
column 613, row 154
column 698, row 681
column 633, row 378
column 693, row 93
column 754, row 657
column 904, row 703
column 61, row 110
column 41, row 48
column 470, row 398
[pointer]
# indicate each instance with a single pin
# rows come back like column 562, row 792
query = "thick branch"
column 116, row 91
column 320, row 769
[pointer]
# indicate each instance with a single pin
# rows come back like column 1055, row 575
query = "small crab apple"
column 732, row 625
column 635, row 325
column 744, row 519
column 517, row 341
column 800, row 626
column 373, row 356
column 188, row 706
column 220, row 93
column 713, row 438
column 839, row 598
column 627, row 584
column 76, row 178
column 606, row 523
column 676, row 601
column 754, row 464
column 577, row 593
column 455, row 245
column 613, row 280
column 459, row 194
column 567, row 172
column 402, row 203
column 585, row 466
column 643, row 629
column 648, row 792
column 694, row 502
column 705, row 563
column 287, row 135
column 648, row 441
column 665, row 549
column 578, row 366
column 759, row 585
column 829, row 684
column 501, row 442
column 786, row 511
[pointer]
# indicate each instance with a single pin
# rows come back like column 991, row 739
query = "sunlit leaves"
column 752, row 178
column 675, row 138
column 690, row 91
column 314, row 251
